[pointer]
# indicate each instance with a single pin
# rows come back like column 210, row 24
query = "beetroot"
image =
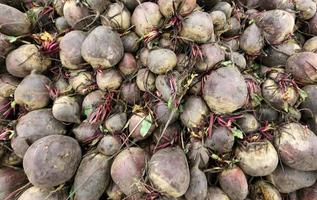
column 168, row 171
column 127, row 168
column 225, row 90
column 70, row 46
column 107, row 53
column 145, row 18
column 303, row 67
column 11, row 180
column 198, row 27
column 92, row 177
column 32, row 92
column 13, row 21
column 276, row 25
column 62, row 151
column 234, row 183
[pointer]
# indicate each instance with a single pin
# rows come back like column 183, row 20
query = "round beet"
column 127, row 169
column 212, row 55
column 303, row 67
column 82, row 81
column 215, row 193
column 265, row 190
column 221, row 141
column 170, row 7
column 298, row 139
column 130, row 42
column 67, row 109
column 11, row 179
column 102, row 48
column 117, row 16
column 8, row 84
column 14, row 22
column 109, row 79
column 36, row 193
column 74, row 13
column 276, row 25
column 197, row 189
column 116, row 122
column 257, row 159
column 169, row 172
column 145, row 80
column 225, row 90
column 160, row 61
column 141, row 126
column 32, row 92
column 131, row 93
column 311, row 44
column 26, row 58
column 109, row 145
column 251, row 40
column 64, row 155
column 195, row 112
column 86, row 132
column 198, row 27
column 70, row 45
column 234, row 183
column 128, row 64
column 145, row 18
column 163, row 112
column 92, row 177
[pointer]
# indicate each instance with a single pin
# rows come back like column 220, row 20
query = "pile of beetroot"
column 158, row 100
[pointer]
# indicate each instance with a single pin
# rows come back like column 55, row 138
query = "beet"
column 67, row 109
column 86, row 132
column 130, row 42
column 117, row 16
column 198, row 185
column 257, row 159
column 168, row 171
column 102, row 48
column 303, row 67
column 36, row 193
column 145, row 18
column 109, row 79
column 116, row 122
column 128, row 64
column 288, row 180
column 13, row 22
column 251, row 41
column 276, row 25
column 131, row 93
column 70, row 46
column 35, row 125
column 197, row 27
column 212, row 55
column 160, row 61
column 127, row 168
column 225, row 90
column 64, row 154
column 295, row 138
column 92, row 177
column 32, row 92
column 221, row 140
column 234, row 183
column 195, row 111
column 23, row 60
column 109, row 145
column 11, row 179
